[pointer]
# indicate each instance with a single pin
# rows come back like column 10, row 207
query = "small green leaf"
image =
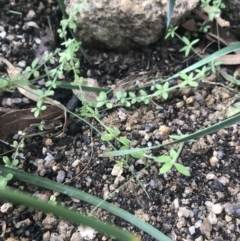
column 127, row 103
column 182, row 169
column 138, row 155
column 124, row 141
column 6, row 160
column 15, row 162
column 133, row 101
column 193, row 83
column 34, row 63
column 146, row 101
column 132, row 94
column 15, row 144
column 119, row 95
column 102, row 96
column 183, row 75
column 166, row 85
column 165, row 168
column 173, row 154
column 107, row 137
column 9, row 176
column 163, row 159
column 100, row 104
column 186, row 40
column 43, row 107
column 109, row 105
column 36, row 113
column 159, row 87
column 165, row 95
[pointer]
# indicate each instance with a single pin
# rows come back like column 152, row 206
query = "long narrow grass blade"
column 223, row 124
column 72, row 192
column 65, row 85
column 64, row 213
column 171, row 4
column 208, row 59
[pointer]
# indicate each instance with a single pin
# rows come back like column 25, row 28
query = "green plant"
column 14, row 162
column 169, row 161
column 213, row 8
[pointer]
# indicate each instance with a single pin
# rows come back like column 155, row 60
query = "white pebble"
column 75, row 163
column 192, row 230
column 49, row 157
column 198, row 224
column 217, row 208
column 213, row 161
column 102, row 147
column 116, row 171
column 210, row 176
column 212, row 218
column 3, row 34
column 21, row 64
column 183, row 212
column 176, row 203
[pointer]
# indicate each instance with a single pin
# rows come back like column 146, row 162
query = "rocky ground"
column 204, row 206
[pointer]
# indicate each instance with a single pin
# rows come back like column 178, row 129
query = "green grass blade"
column 171, row 4
column 208, row 59
column 72, row 192
column 223, row 124
column 199, row 64
column 65, row 85
column 64, row 213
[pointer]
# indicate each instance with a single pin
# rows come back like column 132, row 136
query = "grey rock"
column 119, row 24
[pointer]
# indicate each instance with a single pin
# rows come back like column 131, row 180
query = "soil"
column 204, row 206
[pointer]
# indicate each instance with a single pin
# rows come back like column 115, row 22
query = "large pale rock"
column 124, row 24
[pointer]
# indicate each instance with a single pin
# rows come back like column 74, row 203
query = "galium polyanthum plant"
column 66, row 60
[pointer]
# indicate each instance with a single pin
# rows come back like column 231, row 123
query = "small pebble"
column 210, row 176
column 49, row 157
column 220, row 154
column 75, row 163
column 192, row 230
column 183, row 212
column 103, row 147
column 116, row 171
column 212, row 218
column 228, row 218
column 6, row 208
column 217, row 208
column 61, row 176
column 198, row 224
column 206, row 227
column 21, row 64
column 50, row 222
column 232, row 209
column 190, row 100
column 48, row 142
column 223, row 180
column 213, row 161
column 16, row 100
